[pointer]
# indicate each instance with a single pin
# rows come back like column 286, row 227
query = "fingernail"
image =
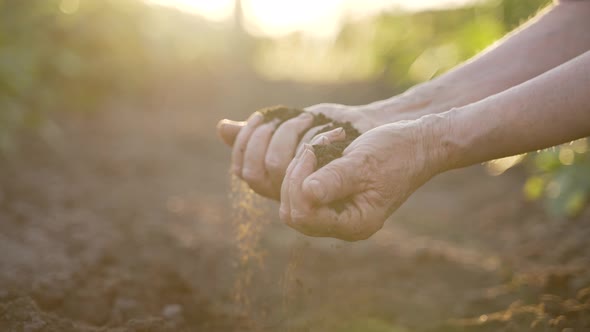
column 339, row 130
column 317, row 189
column 307, row 153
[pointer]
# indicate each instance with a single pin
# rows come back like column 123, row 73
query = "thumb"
column 228, row 130
column 339, row 179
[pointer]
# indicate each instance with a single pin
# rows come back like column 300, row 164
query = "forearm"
column 552, row 38
column 550, row 109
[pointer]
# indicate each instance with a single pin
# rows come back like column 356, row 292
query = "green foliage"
column 55, row 56
column 561, row 176
column 73, row 55
column 439, row 40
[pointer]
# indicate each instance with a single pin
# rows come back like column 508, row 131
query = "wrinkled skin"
column 376, row 174
column 261, row 152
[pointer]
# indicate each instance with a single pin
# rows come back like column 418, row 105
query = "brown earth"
column 121, row 221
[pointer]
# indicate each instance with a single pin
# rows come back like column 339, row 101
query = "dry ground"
column 123, row 222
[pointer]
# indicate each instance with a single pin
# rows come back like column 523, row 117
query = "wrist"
column 423, row 99
column 438, row 141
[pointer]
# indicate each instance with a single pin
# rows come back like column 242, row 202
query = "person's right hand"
column 351, row 197
column 261, row 151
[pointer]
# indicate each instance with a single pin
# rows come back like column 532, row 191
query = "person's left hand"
column 261, row 151
column 375, row 175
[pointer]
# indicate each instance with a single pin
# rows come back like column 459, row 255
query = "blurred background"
column 113, row 186
column 60, row 57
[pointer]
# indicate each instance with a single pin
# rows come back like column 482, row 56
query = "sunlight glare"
column 217, row 10
column 277, row 18
column 324, row 18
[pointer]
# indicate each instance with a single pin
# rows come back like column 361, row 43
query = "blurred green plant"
column 73, row 55
column 54, row 56
column 561, row 176
column 401, row 48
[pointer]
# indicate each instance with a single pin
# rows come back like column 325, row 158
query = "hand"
column 375, row 175
column 261, row 151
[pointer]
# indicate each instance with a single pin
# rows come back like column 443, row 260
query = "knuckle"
column 273, row 164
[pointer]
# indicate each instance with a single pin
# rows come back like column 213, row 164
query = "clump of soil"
column 324, row 153
column 283, row 113
column 327, row 153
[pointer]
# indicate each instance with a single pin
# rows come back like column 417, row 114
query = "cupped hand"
column 262, row 151
column 351, row 197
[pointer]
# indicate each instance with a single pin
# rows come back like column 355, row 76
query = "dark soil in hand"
column 283, row 113
column 324, row 153
column 327, row 153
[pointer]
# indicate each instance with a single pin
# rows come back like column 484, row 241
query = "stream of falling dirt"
column 250, row 217
column 248, row 222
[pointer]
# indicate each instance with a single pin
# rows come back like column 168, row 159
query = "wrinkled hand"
column 261, row 151
column 375, row 175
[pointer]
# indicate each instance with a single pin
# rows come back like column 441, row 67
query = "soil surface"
column 122, row 222
column 280, row 112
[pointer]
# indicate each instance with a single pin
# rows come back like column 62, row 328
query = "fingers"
column 241, row 142
column 331, row 136
column 228, row 130
column 299, row 206
column 285, row 206
column 283, row 145
column 302, row 214
column 350, row 224
column 337, row 180
column 309, row 135
column 326, row 222
column 254, row 170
